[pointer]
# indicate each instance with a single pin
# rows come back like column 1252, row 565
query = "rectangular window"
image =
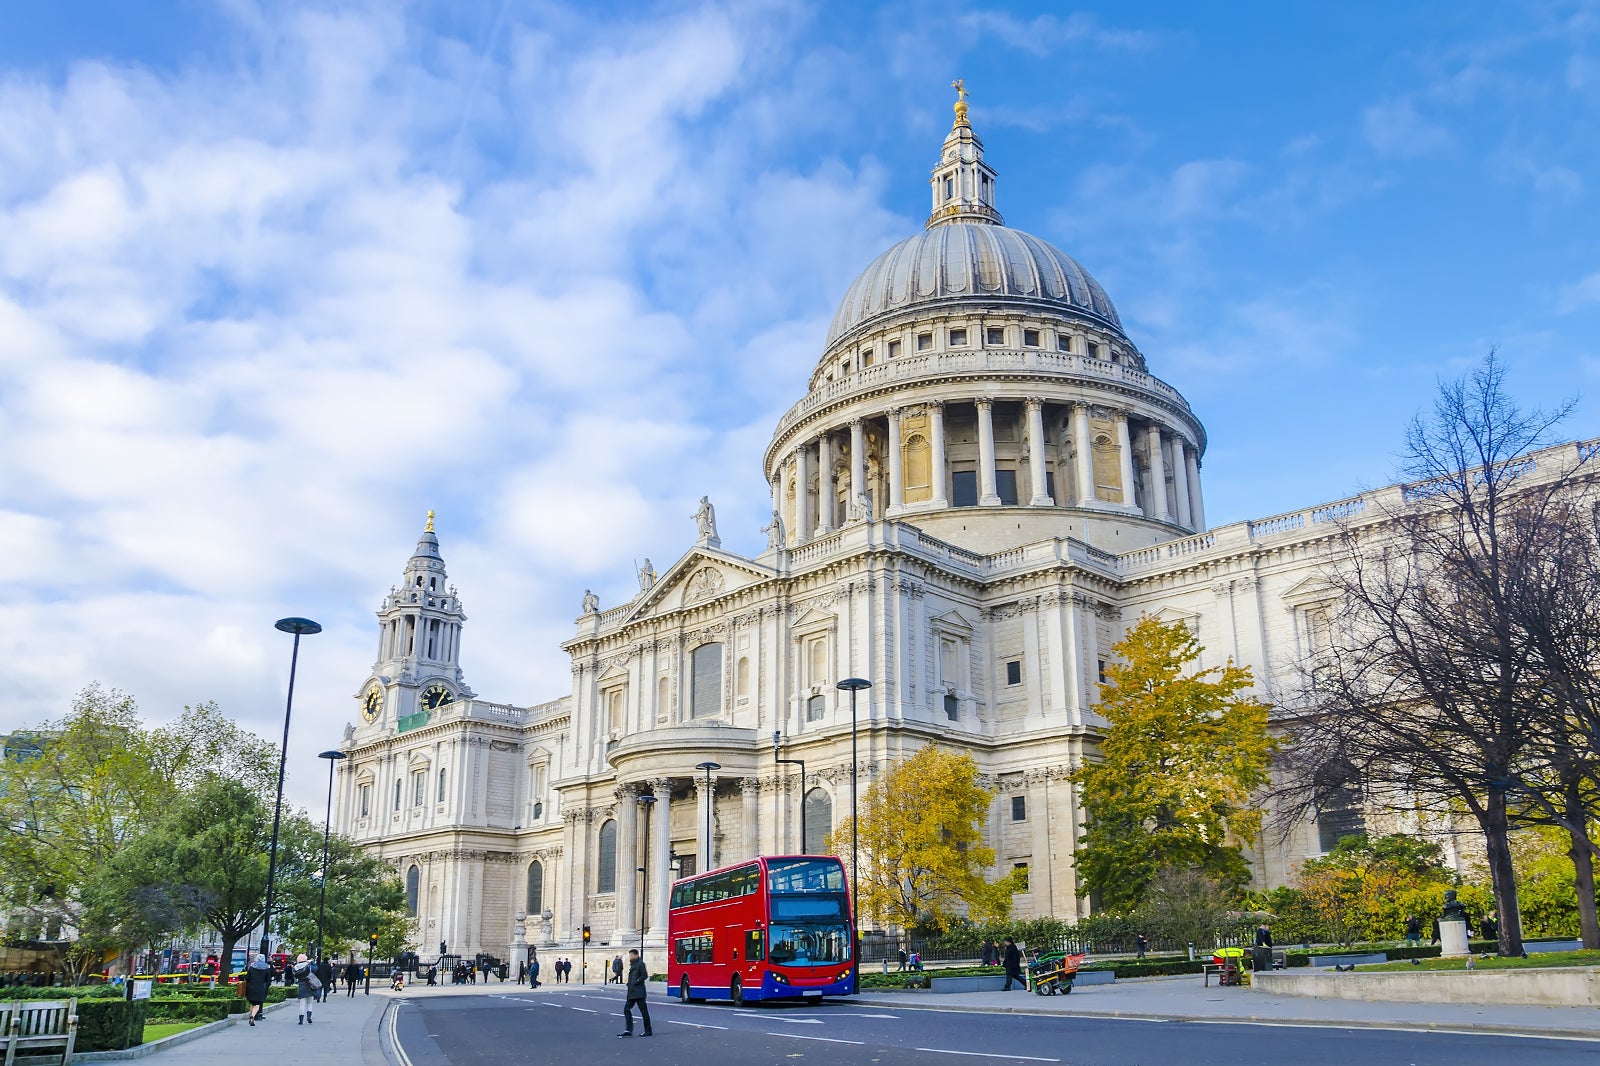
column 1022, row 868
column 949, row 188
column 963, row 488
column 1050, row 483
column 894, row 349
column 366, row 800
column 1093, row 350
column 1030, row 338
column 866, row 357
column 995, row 336
column 924, row 341
column 1101, row 670
column 418, row 787
column 1005, row 486
column 958, row 338
column 1019, row 808
column 753, row 948
column 397, row 795
column 1014, row 672
column 952, row 707
column 816, row 707
column 1063, row 342
column 692, row 949
column 687, row 865
column 705, row 680
column 614, row 708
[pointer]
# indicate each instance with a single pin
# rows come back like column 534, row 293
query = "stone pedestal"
column 1452, row 939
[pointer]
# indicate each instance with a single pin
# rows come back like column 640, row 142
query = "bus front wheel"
column 736, row 991
column 683, row 990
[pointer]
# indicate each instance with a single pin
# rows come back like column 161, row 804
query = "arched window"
column 918, row 460
column 705, row 680
column 535, row 888
column 413, row 885
column 741, row 683
column 816, row 707
column 606, row 863
column 441, row 784
column 819, row 821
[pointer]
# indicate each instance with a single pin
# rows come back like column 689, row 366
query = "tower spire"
column 963, row 184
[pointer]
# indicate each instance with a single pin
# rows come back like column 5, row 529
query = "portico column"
column 705, row 810
column 986, row 494
column 627, row 850
column 896, row 482
column 858, row 462
column 1041, row 488
column 1158, row 475
column 824, row 484
column 803, row 512
column 936, row 430
column 1198, row 509
column 1180, row 482
column 1085, row 466
column 660, row 856
column 1125, row 457
column 750, row 789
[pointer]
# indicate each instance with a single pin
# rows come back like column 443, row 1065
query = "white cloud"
column 1582, row 293
column 1045, row 34
column 1395, row 128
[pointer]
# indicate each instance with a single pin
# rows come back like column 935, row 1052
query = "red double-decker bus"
column 777, row 927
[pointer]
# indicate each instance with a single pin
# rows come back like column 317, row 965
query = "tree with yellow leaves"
column 1172, row 787
column 922, row 855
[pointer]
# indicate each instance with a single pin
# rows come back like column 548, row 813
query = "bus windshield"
column 810, row 943
column 809, row 912
column 805, row 875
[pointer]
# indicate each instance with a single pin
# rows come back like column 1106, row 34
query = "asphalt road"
column 579, row 1026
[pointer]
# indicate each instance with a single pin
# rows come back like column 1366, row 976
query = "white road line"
column 394, row 1037
column 1395, row 1029
column 799, row 1021
column 985, row 1055
column 876, row 1017
column 585, row 1010
column 695, row 1025
column 831, row 1040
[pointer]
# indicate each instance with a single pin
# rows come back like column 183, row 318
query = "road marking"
column 799, row 1021
column 695, row 1025
column 394, row 1037
column 985, row 1055
column 878, row 1017
column 1572, row 1037
column 585, row 1010
column 832, row 1040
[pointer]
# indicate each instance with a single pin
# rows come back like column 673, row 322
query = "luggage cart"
column 1054, row 973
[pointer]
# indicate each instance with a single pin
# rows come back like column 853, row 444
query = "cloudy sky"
column 278, row 278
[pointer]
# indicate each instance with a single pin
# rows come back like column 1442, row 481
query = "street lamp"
column 333, row 758
column 299, row 627
column 853, row 685
column 649, row 805
column 777, row 794
column 711, row 800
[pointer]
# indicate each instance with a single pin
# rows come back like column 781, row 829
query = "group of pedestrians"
column 528, row 972
column 563, row 971
column 312, row 982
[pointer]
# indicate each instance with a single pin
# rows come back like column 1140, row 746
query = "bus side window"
column 752, row 950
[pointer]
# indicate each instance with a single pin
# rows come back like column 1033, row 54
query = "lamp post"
column 333, row 758
column 711, row 800
column 649, row 805
column 299, row 627
column 777, row 794
column 853, row 685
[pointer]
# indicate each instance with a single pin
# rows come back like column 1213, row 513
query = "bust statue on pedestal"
column 1452, row 926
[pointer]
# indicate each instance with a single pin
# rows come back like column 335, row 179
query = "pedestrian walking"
column 902, row 956
column 638, row 980
column 308, row 983
column 533, row 972
column 329, row 982
column 1489, row 929
column 352, row 977
column 1012, row 958
column 1141, row 944
column 257, row 979
column 1413, row 929
column 616, row 970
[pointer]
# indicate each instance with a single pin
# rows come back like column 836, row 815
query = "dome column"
column 939, row 474
column 1041, row 487
column 1085, row 464
column 824, row 484
column 1125, row 458
column 1180, row 482
column 896, row 481
column 858, row 462
column 1195, row 505
column 1158, row 475
column 987, row 497
column 804, row 527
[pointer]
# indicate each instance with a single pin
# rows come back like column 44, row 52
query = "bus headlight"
column 778, row 978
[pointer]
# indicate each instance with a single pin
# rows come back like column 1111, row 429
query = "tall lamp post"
column 777, row 794
column 711, row 800
column 649, row 805
column 300, row 627
column 333, row 758
column 853, row 685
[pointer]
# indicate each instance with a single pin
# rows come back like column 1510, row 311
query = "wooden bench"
column 36, row 1029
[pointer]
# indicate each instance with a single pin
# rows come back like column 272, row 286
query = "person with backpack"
column 257, row 979
column 308, row 984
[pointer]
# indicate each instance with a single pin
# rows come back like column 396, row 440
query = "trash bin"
column 1260, row 958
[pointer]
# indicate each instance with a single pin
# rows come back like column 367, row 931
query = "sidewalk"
column 1186, row 999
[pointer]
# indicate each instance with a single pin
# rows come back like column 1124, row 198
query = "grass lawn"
column 157, row 1030
column 1543, row 960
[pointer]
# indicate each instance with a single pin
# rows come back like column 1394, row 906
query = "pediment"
column 1167, row 616
column 1309, row 590
column 702, row 575
column 952, row 621
column 814, row 618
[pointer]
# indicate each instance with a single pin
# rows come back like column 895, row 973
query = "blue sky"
column 277, row 278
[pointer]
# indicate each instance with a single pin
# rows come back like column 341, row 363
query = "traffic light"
column 586, row 934
column 372, row 942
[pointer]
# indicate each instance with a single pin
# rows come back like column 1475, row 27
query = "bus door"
column 746, row 954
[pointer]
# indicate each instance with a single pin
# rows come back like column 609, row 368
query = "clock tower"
column 419, row 644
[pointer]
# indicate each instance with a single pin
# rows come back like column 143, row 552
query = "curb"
column 1486, row 1028
column 165, row 1042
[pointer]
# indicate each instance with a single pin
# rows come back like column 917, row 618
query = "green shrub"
column 191, row 1009
column 70, row 992
column 1149, row 967
column 110, row 1024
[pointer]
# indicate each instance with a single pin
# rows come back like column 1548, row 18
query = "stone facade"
column 982, row 490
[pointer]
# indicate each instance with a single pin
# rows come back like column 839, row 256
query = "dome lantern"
column 963, row 184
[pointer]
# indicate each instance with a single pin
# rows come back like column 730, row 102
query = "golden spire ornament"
column 960, row 86
column 429, row 528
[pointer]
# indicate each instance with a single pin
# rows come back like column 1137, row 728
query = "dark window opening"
column 1014, row 672
column 1019, row 808
column 963, row 488
column 1005, row 486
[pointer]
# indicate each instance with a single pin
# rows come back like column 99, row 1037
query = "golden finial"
column 430, row 523
column 960, row 86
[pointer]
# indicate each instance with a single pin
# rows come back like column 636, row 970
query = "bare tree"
column 1420, row 693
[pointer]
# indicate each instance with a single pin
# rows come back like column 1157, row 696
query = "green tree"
column 1184, row 751
column 364, row 896
column 1366, row 887
column 922, row 852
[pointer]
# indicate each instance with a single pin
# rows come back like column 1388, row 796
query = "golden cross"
column 430, row 523
column 960, row 86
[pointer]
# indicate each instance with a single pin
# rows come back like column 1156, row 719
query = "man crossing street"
column 638, row 979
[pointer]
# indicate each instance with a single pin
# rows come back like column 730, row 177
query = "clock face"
column 437, row 696
column 372, row 704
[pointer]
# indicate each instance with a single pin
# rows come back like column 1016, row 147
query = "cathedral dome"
column 959, row 260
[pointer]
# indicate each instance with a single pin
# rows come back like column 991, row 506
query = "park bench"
column 37, row 1030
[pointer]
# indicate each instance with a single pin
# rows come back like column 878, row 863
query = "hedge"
column 110, row 1024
